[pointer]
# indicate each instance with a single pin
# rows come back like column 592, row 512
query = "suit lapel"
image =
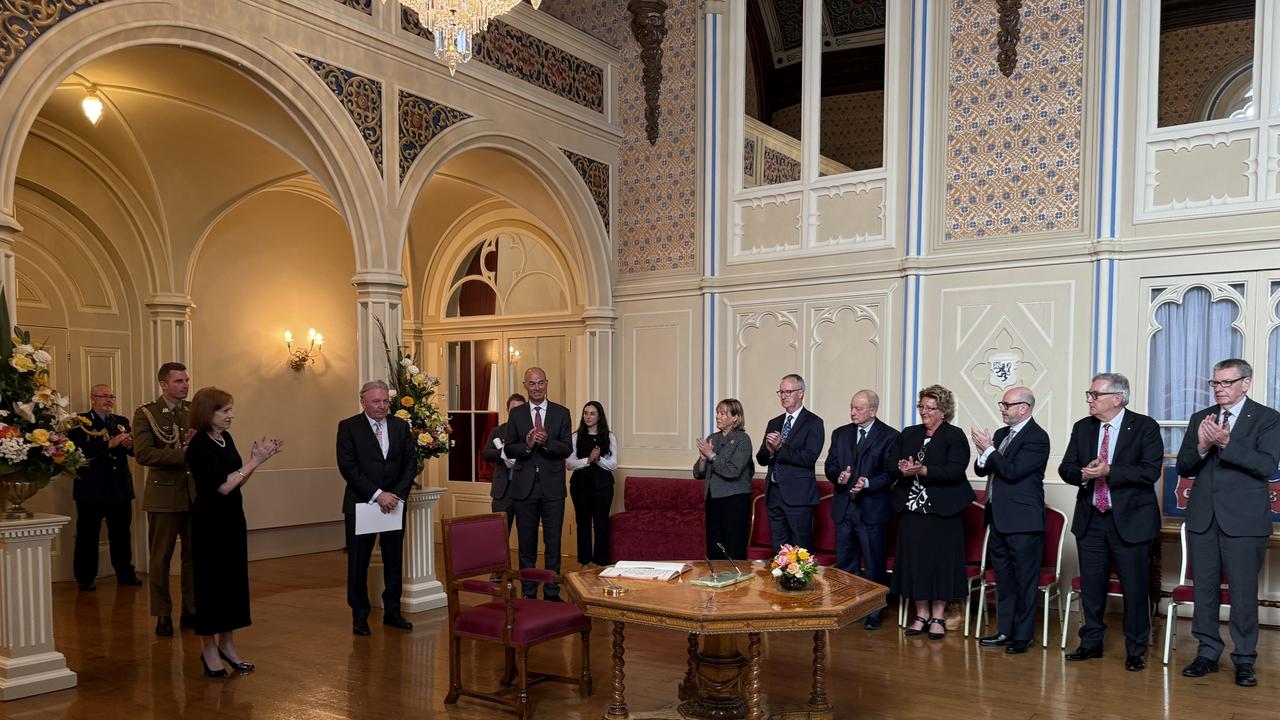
column 1244, row 423
column 1122, row 436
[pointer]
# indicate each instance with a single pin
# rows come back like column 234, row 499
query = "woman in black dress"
column 594, row 458
column 220, row 547
column 930, row 494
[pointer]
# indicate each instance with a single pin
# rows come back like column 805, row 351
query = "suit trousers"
column 1213, row 552
column 788, row 524
column 89, row 517
column 1100, row 545
column 359, row 552
column 728, row 523
column 539, row 508
column 163, row 531
column 1015, row 557
column 862, row 548
column 591, row 503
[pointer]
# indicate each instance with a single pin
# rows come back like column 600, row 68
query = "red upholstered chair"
column 1055, row 525
column 759, row 540
column 475, row 550
column 824, row 532
column 1185, row 593
column 662, row 519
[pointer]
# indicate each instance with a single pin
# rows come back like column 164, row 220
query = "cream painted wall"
column 280, row 261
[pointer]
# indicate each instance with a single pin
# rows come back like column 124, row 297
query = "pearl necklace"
column 222, row 442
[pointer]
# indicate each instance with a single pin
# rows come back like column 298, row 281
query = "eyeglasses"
column 105, row 397
column 1224, row 383
column 1006, row 406
column 926, row 408
column 1091, row 396
column 782, row 393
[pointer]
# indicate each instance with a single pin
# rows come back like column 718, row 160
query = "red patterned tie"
column 537, row 418
column 1101, row 493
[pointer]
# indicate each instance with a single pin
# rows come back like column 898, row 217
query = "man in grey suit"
column 538, row 440
column 494, row 452
column 1231, row 449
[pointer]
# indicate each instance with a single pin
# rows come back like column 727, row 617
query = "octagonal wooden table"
column 720, row 683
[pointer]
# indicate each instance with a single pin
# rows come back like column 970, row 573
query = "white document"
column 371, row 519
column 645, row 570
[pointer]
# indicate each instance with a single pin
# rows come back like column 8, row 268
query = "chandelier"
column 455, row 23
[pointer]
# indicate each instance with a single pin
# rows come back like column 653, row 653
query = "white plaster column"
column 379, row 297
column 9, row 229
column 170, row 319
column 422, row 590
column 29, row 665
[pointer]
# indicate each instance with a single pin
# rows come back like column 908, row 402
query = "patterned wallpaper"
column 656, row 212
column 22, row 23
column 852, row 128
column 362, row 98
column 1191, row 58
column 1013, row 144
column 421, row 120
column 596, row 176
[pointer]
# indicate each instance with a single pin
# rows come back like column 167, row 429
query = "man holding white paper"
column 376, row 457
column 495, row 452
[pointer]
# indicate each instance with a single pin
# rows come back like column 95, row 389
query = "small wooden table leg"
column 689, row 687
column 818, row 698
column 755, row 708
column 618, row 707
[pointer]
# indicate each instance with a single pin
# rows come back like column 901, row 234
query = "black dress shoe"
column 360, row 627
column 1084, row 653
column 1200, row 667
column 164, row 625
column 243, row 667
column 208, row 672
column 187, row 621
column 1245, row 676
column 131, row 581
column 1134, row 663
column 1017, row 647
column 995, row 640
column 397, row 621
column 872, row 622
column 87, row 587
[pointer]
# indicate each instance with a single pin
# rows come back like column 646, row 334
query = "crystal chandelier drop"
column 455, row 23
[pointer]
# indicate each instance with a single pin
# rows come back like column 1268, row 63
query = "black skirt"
column 928, row 561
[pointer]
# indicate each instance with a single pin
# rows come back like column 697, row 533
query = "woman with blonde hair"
column 724, row 461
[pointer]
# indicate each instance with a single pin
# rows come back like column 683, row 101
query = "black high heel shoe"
column 243, row 667
column 941, row 622
column 924, row 624
column 219, row 673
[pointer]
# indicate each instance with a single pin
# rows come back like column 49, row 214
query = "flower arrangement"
column 794, row 566
column 34, row 417
column 414, row 395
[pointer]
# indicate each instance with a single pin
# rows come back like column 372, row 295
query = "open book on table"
column 645, row 570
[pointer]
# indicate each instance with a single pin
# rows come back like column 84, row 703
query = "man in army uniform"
column 103, row 490
column 160, row 440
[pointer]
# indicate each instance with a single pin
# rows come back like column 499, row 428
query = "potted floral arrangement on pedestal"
column 34, row 420
column 414, row 395
column 794, row 567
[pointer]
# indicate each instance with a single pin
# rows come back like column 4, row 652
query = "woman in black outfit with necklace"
column 595, row 457
column 220, row 547
column 930, row 494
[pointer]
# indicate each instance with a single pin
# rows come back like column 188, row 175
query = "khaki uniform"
column 158, row 432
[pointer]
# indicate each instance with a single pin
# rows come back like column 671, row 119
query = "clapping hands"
column 704, row 448
column 1210, row 433
column 909, row 466
column 981, row 439
column 265, row 448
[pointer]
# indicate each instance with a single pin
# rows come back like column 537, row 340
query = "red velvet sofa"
column 662, row 519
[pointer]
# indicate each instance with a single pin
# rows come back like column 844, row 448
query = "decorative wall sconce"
column 302, row 357
column 513, row 355
column 92, row 105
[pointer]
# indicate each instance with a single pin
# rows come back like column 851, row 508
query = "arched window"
column 507, row 273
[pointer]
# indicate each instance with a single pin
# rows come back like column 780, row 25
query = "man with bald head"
column 1014, row 460
column 537, row 438
column 862, row 504
column 103, row 490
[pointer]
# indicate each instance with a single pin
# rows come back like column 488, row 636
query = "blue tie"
column 786, row 428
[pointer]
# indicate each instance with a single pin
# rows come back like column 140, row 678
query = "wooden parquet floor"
column 311, row 667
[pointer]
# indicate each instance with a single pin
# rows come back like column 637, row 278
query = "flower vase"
column 16, row 489
column 792, row 583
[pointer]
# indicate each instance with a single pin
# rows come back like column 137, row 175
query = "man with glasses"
column 103, row 490
column 1114, row 457
column 792, row 444
column 1014, row 459
column 537, row 438
column 1231, row 449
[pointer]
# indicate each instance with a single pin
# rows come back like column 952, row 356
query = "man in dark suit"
column 103, row 490
column 861, row 507
column 538, row 439
column 378, row 459
column 792, row 444
column 1114, row 457
column 1231, row 449
column 1014, row 460
column 494, row 452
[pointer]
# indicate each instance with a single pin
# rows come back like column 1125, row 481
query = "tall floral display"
column 414, row 396
column 34, row 420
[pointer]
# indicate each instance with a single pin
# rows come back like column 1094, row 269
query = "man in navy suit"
column 1231, row 449
column 1014, row 460
column 1114, row 457
column 538, row 440
column 792, row 444
column 861, row 507
column 377, row 456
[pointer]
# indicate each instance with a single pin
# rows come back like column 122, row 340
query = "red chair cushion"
column 535, row 621
column 657, row 493
column 539, row 575
column 673, row 534
column 755, row 552
column 478, row 545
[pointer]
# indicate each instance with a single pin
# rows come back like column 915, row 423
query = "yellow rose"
column 39, row 436
column 22, row 363
column 403, row 415
column 804, row 554
column 407, row 401
column 70, row 447
column 424, row 439
column 444, row 438
column 420, row 379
